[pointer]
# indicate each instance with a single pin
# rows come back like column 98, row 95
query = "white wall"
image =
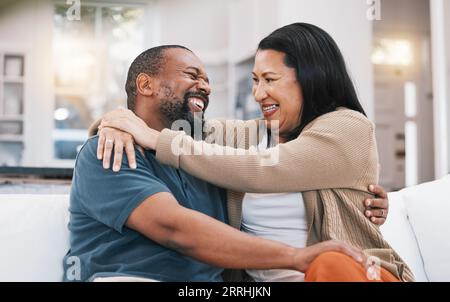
column 404, row 16
column 346, row 21
column 249, row 22
column 447, row 34
column 409, row 19
column 27, row 25
column 219, row 32
column 252, row 20
column 202, row 26
column 441, row 92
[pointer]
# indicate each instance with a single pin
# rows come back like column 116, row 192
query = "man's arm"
column 162, row 219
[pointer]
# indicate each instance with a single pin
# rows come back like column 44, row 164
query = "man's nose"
column 204, row 87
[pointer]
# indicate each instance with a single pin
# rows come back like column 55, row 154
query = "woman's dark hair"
column 320, row 69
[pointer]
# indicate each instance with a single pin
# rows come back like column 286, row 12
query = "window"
column 392, row 52
column 91, row 60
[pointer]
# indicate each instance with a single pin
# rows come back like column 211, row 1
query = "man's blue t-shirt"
column 101, row 201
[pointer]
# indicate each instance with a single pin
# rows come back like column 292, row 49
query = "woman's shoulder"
column 342, row 118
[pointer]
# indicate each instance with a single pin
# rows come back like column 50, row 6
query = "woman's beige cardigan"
column 332, row 163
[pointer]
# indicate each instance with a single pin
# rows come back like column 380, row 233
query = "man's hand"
column 377, row 208
column 305, row 256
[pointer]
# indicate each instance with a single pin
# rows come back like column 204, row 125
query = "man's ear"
column 144, row 84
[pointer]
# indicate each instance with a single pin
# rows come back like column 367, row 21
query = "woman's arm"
column 338, row 150
column 376, row 208
column 94, row 127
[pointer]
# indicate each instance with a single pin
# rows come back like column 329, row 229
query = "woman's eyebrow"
column 266, row 73
column 269, row 73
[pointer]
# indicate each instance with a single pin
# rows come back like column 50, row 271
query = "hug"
column 152, row 203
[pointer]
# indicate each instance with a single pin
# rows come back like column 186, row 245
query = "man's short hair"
column 148, row 62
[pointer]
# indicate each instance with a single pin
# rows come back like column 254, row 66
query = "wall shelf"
column 13, row 79
column 12, row 92
column 11, row 138
column 11, row 118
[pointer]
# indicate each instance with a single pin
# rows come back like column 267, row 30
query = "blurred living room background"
column 64, row 63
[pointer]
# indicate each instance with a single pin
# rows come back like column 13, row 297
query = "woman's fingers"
column 378, row 213
column 101, row 145
column 377, row 203
column 118, row 154
column 107, row 150
column 378, row 221
column 111, row 138
column 129, row 149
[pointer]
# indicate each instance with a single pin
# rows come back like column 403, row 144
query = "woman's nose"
column 260, row 93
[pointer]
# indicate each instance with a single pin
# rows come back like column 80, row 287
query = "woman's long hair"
column 320, row 70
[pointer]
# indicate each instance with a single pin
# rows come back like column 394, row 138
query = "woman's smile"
column 269, row 109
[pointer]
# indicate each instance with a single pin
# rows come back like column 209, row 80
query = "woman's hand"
column 109, row 138
column 127, row 121
column 304, row 257
column 116, row 131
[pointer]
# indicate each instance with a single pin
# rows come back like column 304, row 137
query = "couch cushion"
column 398, row 232
column 34, row 237
column 428, row 207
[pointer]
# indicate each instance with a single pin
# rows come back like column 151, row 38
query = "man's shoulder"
column 89, row 151
column 89, row 145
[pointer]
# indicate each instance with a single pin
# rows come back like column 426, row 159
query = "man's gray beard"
column 176, row 110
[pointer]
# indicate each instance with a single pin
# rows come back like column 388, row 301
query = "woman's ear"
column 144, row 84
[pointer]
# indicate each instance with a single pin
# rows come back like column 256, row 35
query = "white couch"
column 34, row 236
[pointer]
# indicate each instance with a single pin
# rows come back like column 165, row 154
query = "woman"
column 324, row 153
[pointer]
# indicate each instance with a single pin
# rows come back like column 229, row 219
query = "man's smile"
column 197, row 102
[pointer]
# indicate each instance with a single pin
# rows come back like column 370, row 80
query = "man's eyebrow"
column 198, row 72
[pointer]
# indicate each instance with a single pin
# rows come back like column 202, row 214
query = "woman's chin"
column 272, row 122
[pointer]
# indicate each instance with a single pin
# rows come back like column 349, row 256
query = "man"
column 157, row 222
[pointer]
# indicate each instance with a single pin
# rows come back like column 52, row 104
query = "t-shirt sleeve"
column 110, row 197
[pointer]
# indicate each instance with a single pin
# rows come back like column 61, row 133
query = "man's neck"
column 151, row 118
